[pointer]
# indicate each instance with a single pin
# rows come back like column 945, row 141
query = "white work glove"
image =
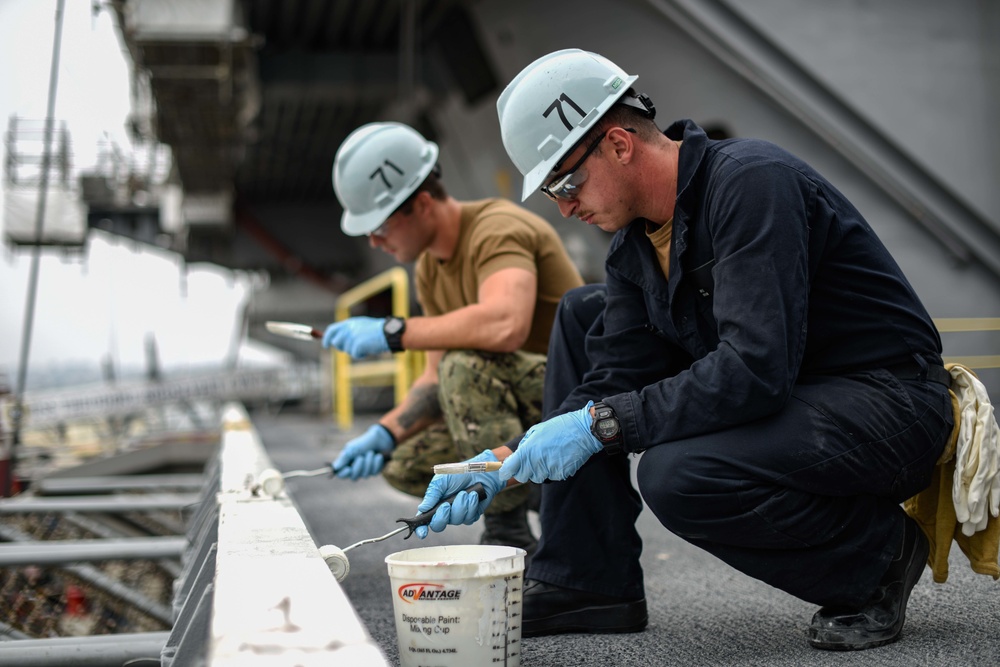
column 976, row 486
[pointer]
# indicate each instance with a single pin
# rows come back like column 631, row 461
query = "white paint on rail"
column 275, row 601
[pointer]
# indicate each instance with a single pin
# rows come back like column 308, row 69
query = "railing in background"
column 250, row 586
column 400, row 371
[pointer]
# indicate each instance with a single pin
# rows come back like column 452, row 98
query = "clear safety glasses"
column 567, row 186
column 382, row 231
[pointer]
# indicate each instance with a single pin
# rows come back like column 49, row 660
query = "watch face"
column 607, row 428
column 393, row 325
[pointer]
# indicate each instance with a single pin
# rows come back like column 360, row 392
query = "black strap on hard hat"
column 641, row 102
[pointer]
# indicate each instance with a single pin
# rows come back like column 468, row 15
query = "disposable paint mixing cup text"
column 458, row 605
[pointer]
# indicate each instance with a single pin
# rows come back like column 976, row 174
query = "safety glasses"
column 567, row 186
column 386, row 227
column 382, row 231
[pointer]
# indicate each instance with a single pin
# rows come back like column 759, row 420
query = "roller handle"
column 424, row 518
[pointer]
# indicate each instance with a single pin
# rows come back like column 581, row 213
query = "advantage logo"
column 416, row 592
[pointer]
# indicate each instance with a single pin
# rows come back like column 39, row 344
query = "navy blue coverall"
column 775, row 383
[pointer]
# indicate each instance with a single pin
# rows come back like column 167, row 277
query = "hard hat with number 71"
column 377, row 167
column 547, row 108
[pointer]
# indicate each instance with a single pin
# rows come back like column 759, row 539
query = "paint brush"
column 468, row 466
column 293, row 330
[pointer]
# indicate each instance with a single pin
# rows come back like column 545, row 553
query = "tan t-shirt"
column 497, row 234
column 661, row 237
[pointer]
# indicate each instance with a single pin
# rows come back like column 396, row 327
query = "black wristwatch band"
column 607, row 428
column 393, row 329
column 392, row 436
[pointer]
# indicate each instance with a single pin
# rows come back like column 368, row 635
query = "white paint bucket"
column 458, row 605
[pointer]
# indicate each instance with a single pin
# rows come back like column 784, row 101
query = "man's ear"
column 422, row 202
column 622, row 143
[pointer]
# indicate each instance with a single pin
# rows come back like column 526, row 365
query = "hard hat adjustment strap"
column 640, row 101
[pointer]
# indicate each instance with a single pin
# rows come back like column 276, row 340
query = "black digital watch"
column 393, row 329
column 607, row 428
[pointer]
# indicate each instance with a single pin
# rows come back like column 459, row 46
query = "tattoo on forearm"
column 423, row 405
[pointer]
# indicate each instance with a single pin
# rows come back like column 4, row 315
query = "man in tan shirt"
column 489, row 275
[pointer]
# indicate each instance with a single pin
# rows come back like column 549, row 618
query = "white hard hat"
column 377, row 167
column 551, row 105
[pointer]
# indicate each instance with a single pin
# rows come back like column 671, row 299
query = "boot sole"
column 610, row 619
column 832, row 640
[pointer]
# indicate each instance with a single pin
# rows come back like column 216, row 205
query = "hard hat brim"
column 360, row 225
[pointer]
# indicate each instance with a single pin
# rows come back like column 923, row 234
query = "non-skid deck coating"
column 701, row 611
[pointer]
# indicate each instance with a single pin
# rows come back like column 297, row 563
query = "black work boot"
column 510, row 529
column 554, row 610
column 878, row 621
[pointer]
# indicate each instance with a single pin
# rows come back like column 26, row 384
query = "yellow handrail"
column 951, row 324
column 966, row 325
column 401, row 370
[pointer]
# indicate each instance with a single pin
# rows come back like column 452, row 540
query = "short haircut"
column 431, row 185
column 622, row 115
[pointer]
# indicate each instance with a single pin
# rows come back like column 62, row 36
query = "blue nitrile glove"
column 357, row 336
column 466, row 508
column 554, row 449
column 365, row 455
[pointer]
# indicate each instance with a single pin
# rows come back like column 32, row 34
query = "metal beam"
column 58, row 486
column 62, row 552
column 10, row 453
column 109, row 527
column 8, row 633
column 339, row 77
column 97, row 651
column 124, row 503
column 111, row 586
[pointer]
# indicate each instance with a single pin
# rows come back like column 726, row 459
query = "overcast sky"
column 108, row 299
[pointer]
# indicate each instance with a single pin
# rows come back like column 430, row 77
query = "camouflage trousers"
column 486, row 399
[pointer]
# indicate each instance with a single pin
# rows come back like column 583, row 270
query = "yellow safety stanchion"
column 400, row 371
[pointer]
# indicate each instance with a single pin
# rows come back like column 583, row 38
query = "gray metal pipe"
column 103, row 526
column 9, row 633
column 96, row 651
column 95, row 577
column 61, row 552
column 57, row 486
column 126, row 503
column 17, row 414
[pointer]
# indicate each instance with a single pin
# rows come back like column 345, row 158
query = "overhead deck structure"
column 895, row 101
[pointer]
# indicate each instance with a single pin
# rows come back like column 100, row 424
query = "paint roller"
column 336, row 558
column 272, row 482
